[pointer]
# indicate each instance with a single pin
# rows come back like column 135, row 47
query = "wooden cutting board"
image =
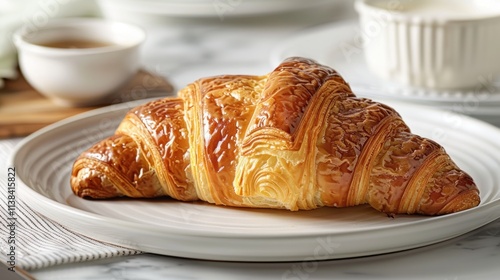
column 23, row 110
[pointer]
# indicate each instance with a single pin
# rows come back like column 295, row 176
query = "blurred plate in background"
column 148, row 9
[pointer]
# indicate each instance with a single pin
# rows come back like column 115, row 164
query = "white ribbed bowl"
column 444, row 44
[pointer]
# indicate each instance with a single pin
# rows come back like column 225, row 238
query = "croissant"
column 296, row 138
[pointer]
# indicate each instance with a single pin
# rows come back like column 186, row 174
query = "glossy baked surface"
column 296, row 138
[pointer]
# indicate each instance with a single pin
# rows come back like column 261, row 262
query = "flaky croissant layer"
column 296, row 138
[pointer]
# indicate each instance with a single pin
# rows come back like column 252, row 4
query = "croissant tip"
column 466, row 200
column 88, row 184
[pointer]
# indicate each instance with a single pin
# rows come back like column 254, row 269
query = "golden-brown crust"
column 160, row 132
column 218, row 111
column 297, row 138
column 114, row 167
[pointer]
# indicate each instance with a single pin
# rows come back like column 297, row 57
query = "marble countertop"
column 184, row 50
column 475, row 255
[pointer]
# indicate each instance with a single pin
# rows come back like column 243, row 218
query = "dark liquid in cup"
column 75, row 44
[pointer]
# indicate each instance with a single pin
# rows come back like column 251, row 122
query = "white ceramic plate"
column 340, row 46
column 197, row 230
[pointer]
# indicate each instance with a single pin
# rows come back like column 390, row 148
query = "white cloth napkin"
column 36, row 13
column 39, row 242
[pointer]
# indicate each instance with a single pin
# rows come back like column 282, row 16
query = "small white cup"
column 437, row 44
column 79, row 76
